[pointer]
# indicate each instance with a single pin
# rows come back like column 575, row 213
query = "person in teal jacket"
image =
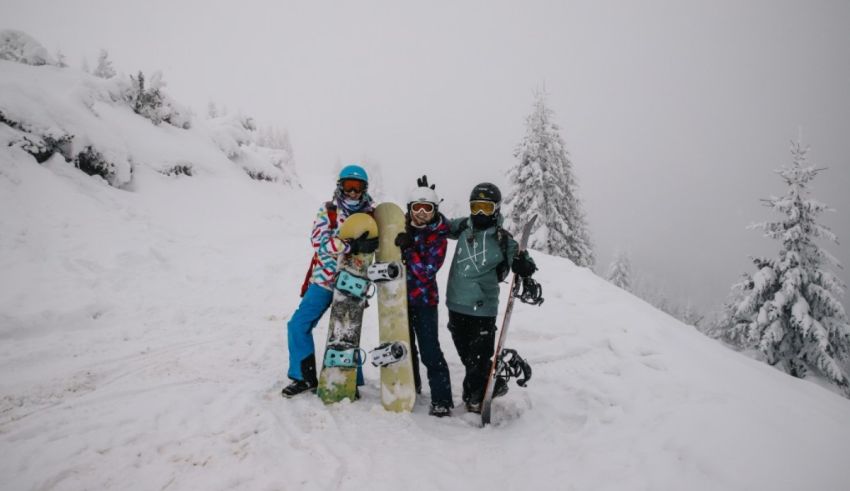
column 484, row 255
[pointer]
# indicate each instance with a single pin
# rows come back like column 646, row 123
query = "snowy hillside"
column 142, row 346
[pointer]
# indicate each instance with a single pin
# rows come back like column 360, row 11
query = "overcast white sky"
column 675, row 112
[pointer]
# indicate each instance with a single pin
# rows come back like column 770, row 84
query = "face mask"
column 352, row 203
column 481, row 222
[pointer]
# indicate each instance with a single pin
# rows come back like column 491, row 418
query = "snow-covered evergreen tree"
column 620, row 271
column 789, row 308
column 61, row 60
column 543, row 183
column 212, row 110
column 104, row 67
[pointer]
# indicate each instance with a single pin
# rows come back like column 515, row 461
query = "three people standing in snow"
column 483, row 257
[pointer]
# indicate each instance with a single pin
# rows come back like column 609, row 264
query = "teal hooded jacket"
column 473, row 286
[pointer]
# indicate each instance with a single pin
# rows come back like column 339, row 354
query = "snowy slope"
column 142, row 346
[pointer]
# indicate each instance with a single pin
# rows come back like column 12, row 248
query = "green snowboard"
column 398, row 392
column 338, row 379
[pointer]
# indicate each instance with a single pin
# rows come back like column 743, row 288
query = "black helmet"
column 487, row 192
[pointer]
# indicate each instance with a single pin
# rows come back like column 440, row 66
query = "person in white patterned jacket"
column 350, row 197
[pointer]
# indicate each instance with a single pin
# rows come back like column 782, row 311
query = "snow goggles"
column 352, row 185
column 482, row 207
column 422, row 207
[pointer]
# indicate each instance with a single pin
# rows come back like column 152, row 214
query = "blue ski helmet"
column 353, row 171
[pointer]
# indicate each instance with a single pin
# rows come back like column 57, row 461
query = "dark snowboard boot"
column 310, row 382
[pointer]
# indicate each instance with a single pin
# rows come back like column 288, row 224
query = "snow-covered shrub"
column 40, row 144
column 264, row 155
column 21, row 47
column 147, row 99
column 42, row 148
column 230, row 133
column 113, row 167
column 260, row 176
column 104, row 67
column 180, row 169
column 93, row 163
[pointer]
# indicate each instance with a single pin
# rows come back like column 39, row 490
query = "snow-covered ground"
column 142, row 346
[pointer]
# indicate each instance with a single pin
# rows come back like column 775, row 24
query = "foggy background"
column 675, row 113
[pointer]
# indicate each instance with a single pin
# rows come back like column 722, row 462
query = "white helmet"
column 424, row 194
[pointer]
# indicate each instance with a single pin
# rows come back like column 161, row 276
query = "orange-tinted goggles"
column 482, row 207
column 352, row 185
column 422, row 207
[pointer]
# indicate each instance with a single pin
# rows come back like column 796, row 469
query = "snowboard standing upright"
column 495, row 368
column 338, row 378
column 398, row 392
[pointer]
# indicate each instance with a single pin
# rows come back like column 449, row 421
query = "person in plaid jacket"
column 423, row 246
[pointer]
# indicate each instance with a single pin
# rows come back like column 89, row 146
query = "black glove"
column 403, row 240
column 422, row 182
column 363, row 244
column 523, row 265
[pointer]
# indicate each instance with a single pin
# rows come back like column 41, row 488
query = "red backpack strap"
column 330, row 206
column 306, row 284
column 332, row 224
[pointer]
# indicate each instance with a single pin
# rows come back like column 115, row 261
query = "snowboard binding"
column 388, row 353
column 381, row 272
column 338, row 355
column 514, row 366
column 354, row 286
column 529, row 291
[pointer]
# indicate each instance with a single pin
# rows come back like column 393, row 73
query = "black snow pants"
column 475, row 339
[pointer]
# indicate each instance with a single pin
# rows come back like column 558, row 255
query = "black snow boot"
column 310, row 382
column 439, row 410
column 297, row 387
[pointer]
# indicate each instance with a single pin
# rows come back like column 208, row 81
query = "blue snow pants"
column 299, row 334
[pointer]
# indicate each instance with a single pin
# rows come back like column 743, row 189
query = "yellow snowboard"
column 398, row 392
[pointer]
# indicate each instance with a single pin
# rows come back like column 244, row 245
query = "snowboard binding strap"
column 514, row 366
column 353, row 285
column 381, row 272
column 340, row 356
column 388, row 353
column 529, row 291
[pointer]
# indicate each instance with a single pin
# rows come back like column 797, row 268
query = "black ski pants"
column 423, row 333
column 475, row 339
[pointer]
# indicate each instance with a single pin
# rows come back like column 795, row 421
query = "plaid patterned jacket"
column 424, row 258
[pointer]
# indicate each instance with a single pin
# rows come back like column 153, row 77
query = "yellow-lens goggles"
column 482, row 207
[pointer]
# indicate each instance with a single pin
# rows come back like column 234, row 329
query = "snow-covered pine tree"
column 543, row 183
column 104, row 66
column 212, row 110
column 789, row 309
column 61, row 60
column 620, row 271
